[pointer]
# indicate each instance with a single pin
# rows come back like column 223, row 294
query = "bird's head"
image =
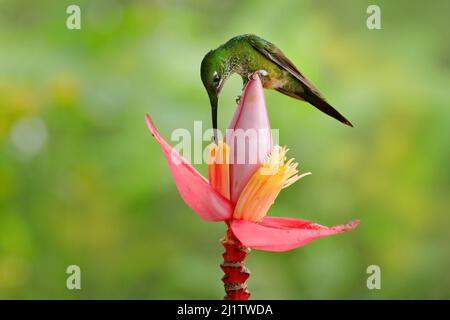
column 213, row 75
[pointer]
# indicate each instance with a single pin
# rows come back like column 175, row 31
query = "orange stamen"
column 219, row 168
column 266, row 183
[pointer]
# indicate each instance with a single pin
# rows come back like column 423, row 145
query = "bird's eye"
column 216, row 77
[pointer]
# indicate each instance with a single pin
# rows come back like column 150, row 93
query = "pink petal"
column 246, row 157
column 192, row 186
column 283, row 234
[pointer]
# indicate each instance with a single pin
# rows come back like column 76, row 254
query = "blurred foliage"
column 82, row 182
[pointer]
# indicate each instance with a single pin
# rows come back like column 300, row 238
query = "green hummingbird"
column 247, row 54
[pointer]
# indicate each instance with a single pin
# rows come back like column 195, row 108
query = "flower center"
column 266, row 183
column 263, row 187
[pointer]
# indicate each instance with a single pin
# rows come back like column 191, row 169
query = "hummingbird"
column 247, row 54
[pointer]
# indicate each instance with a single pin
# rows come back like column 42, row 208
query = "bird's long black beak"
column 213, row 99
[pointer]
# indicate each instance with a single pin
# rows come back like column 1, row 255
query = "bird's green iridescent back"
column 242, row 58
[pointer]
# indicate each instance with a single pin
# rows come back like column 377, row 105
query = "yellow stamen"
column 219, row 169
column 265, row 185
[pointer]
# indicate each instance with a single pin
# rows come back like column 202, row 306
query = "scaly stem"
column 233, row 266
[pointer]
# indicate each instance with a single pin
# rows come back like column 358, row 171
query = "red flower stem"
column 233, row 266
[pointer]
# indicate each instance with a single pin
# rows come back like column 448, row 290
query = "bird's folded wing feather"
column 277, row 56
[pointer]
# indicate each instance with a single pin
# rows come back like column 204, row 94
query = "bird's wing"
column 270, row 51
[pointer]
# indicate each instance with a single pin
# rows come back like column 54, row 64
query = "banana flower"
column 245, row 176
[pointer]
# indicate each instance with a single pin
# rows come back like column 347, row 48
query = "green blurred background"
column 82, row 182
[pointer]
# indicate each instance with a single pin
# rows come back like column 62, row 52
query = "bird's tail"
column 325, row 107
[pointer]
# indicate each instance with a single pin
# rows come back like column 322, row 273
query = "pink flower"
column 241, row 193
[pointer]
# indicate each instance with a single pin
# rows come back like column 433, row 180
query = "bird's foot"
column 261, row 73
column 238, row 98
